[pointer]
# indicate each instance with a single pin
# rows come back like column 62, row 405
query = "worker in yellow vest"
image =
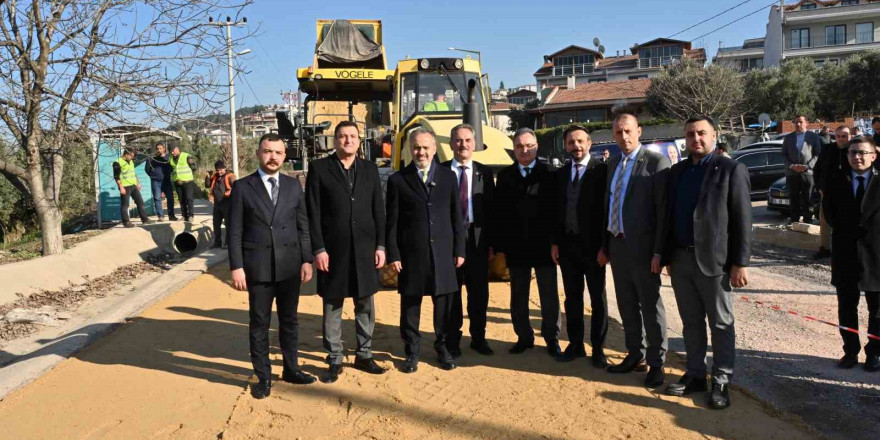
column 129, row 187
column 219, row 186
column 182, row 167
column 439, row 103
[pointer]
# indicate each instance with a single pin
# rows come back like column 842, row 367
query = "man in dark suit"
column 852, row 208
column 635, row 207
column 347, row 223
column 577, row 239
column 426, row 243
column 524, row 200
column 476, row 187
column 800, row 151
column 832, row 160
column 709, row 238
column 270, row 254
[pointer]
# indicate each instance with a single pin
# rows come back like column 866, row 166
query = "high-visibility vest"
column 127, row 176
column 436, row 106
column 180, row 170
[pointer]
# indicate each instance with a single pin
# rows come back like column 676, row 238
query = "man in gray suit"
column 800, row 151
column 635, row 207
column 709, row 237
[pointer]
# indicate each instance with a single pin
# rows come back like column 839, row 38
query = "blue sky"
column 512, row 35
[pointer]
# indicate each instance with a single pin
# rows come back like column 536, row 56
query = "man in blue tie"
column 800, row 152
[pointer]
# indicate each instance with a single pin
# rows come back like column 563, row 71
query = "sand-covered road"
column 181, row 371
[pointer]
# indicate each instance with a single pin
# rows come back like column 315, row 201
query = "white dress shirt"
column 469, row 175
column 583, row 163
column 265, row 178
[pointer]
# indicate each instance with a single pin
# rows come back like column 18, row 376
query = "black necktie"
column 577, row 174
column 463, row 192
column 527, row 170
column 274, row 184
column 860, row 191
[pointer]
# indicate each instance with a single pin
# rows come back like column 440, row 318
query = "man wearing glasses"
column 851, row 204
column 524, row 200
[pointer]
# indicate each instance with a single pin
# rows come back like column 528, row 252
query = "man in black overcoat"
column 270, row 255
column 476, row 186
column 852, row 208
column 425, row 244
column 347, row 223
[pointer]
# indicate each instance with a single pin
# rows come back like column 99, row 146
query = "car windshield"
column 431, row 92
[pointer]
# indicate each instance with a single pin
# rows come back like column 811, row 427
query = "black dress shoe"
column 146, row 221
column 655, row 377
column 261, row 390
column 629, row 363
column 687, row 385
column 598, row 359
column 553, row 348
column 411, row 365
column 455, row 351
column 848, row 361
column 572, row 352
column 332, row 374
column 482, row 347
column 521, row 346
column 128, row 225
column 369, row 366
column 446, row 361
column 172, row 218
column 298, row 377
column 872, row 363
column 823, row 253
column 719, row 398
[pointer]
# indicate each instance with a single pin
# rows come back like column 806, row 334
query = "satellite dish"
column 765, row 120
column 602, row 49
column 596, row 42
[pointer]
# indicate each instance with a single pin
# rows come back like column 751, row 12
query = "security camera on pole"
column 229, row 55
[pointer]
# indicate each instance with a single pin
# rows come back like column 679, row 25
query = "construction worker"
column 182, row 167
column 129, row 187
column 219, row 185
column 439, row 103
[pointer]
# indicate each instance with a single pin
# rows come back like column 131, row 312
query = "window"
column 775, row 158
column 658, row 56
column 573, row 65
column 631, row 77
column 753, row 160
column 751, row 63
column 819, row 63
column 835, row 35
column 807, row 6
column 864, row 33
column 849, row 2
column 596, row 80
column 800, row 38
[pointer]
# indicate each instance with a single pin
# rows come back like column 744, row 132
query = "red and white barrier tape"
column 807, row 317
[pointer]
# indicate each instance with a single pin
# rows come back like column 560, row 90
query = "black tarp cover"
column 345, row 43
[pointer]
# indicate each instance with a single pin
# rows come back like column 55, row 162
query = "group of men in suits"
column 441, row 223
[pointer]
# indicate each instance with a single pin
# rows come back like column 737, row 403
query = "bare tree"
column 70, row 67
column 687, row 88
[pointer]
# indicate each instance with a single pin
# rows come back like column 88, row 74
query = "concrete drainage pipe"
column 185, row 242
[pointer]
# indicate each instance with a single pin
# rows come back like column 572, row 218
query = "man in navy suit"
column 270, row 254
column 425, row 244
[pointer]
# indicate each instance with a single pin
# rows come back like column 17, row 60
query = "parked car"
column 765, row 167
column 778, row 199
column 765, row 144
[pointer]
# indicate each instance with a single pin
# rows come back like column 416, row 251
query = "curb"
column 17, row 371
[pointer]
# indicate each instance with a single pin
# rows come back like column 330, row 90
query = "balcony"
column 832, row 43
column 654, row 62
column 573, row 69
column 836, row 13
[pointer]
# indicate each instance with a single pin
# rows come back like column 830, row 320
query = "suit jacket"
column 589, row 208
column 425, row 230
column 644, row 205
column 855, row 255
column 526, row 217
column 832, row 160
column 348, row 223
column 269, row 242
column 722, row 218
column 482, row 198
column 808, row 155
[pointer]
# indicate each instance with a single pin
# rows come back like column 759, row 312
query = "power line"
column 711, row 18
column 734, row 21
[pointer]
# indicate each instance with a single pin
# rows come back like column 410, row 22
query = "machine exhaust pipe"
column 472, row 115
column 185, row 242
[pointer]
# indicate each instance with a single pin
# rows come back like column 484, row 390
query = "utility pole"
column 229, row 55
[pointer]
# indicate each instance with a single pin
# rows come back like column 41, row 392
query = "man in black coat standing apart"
column 852, row 208
column 347, row 223
column 426, row 243
column 708, row 238
column 524, row 200
column 577, row 238
column 476, row 186
column 270, row 254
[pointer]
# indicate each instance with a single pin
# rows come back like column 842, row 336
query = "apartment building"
column 748, row 56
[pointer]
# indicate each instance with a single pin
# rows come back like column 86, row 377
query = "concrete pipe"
column 185, row 242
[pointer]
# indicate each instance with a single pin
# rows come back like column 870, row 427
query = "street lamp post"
column 479, row 55
column 229, row 55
